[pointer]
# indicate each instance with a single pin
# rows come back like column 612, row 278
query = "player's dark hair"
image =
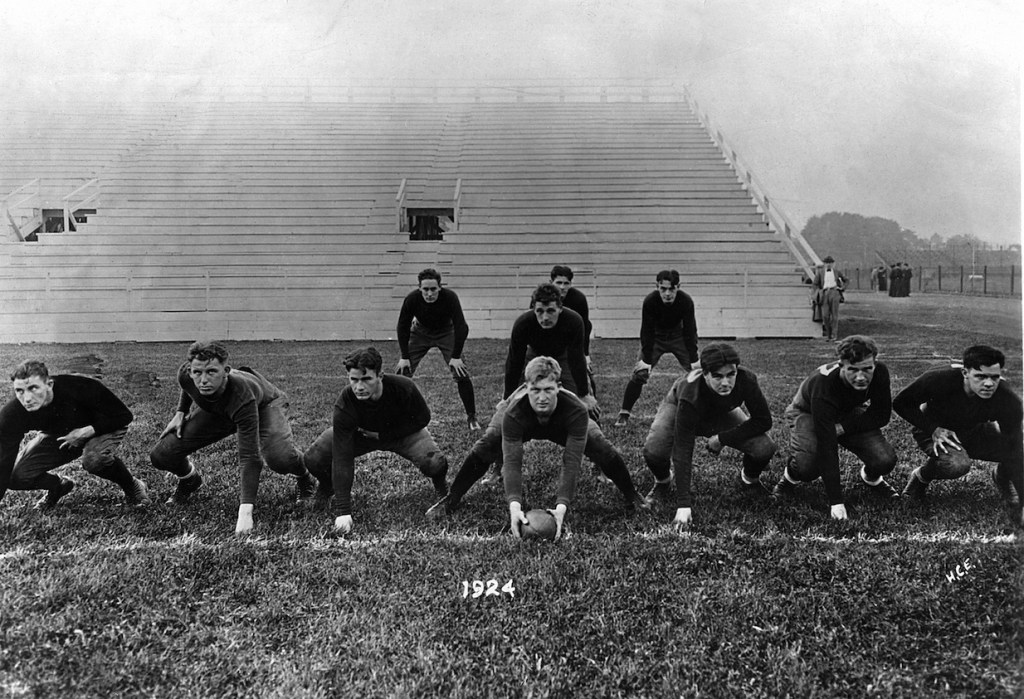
column 542, row 368
column 561, row 271
column 856, row 348
column 30, row 368
column 546, row 293
column 977, row 356
column 364, row 360
column 429, row 273
column 669, row 275
column 206, row 351
column 717, row 355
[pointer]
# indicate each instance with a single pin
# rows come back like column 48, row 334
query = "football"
column 540, row 524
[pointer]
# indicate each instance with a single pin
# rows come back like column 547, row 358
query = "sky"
column 908, row 109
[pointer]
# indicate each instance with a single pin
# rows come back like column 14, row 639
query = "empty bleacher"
column 265, row 220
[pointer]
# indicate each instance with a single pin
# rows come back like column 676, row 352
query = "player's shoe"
column 137, row 495
column 661, row 492
column 305, row 487
column 601, row 478
column 186, row 486
column 783, row 489
column 474, row 426
column 916, row 490
column 440, row 483
column 442, row 509
column 1005, row 489
column 756, row 487
column 321, row 499
column 622, row 420
column 881, row 488
column 638, row 502
column 49, row 501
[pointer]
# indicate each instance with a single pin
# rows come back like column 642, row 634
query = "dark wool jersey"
column 662, row 320
column 567, row 426
column 947, row 405
column 577, row 301
column 246, row 392
column 699, row 404
column 78, row 401
column 444, row 313
column 399, row 412
column 828, row 398
column 566, row 338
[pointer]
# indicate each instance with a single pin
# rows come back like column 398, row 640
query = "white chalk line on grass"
column 191, row 542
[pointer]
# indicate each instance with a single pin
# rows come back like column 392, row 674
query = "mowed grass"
column 761, row 599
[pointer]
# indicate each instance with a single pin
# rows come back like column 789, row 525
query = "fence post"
column 940, row 277
column 984, row 280
column 920, row 277
column 961, row 279
column 1011, row 279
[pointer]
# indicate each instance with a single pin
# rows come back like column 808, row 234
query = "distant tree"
column 852, row 239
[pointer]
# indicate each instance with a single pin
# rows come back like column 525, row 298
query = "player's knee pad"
column 952, row 465
column 436, row 464
column 763, row 451
column 641, row 376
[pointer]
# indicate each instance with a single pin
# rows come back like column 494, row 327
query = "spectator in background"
column 908, row 274
column 830, row 283
column 895, row 275
column 883, row 278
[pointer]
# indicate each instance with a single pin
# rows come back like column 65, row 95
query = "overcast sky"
column 906, row 109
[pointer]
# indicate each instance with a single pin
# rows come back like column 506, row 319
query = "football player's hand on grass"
column 403, row 368
column 343, row 524
column 559, row 514
column 175, row 425
column 244, row 523
column 714, row 444
column 839, row 511
column 516, row 518
column 681, row 522
column 593, row 409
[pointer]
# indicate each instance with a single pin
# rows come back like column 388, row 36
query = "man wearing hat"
column 709, row 402
column 830, row 285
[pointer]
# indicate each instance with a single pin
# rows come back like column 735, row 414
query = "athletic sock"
column 191, row 472
column 743, row 477
column 789, row 478
column 864, row 477
column 916, row 473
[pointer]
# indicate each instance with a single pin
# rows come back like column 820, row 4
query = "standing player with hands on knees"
column 76, row 416
column 539, row 409
column 709, row 402
column 966, row 412
column 215, row 403
column 667, row 324
column 375, row 412
column 432, row 316
column 845, row 403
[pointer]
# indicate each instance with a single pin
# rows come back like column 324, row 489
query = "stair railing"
column 784, row 228
column 28, row 192
column 91, row 196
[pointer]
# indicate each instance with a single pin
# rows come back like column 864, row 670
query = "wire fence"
column 983, row 280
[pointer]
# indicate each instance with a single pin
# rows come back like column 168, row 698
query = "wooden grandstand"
column 287, row 218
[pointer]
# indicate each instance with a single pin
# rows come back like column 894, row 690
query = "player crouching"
column 375, row 412
column 76, row 416
column 966, row 412
column 216, row 402
column 843, row 403
column 709, row 402
column 539, row 409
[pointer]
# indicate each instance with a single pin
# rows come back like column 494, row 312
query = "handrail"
column 8, row 203
column 458, row 201
column 69, row 209
column 778, row 218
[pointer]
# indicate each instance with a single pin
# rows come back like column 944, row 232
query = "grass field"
column 761, row 599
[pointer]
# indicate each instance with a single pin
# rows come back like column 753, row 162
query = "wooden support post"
column 961, row 279
column 940, row 277
column 920, row 278
column 984, row 280
column 1012, row 268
